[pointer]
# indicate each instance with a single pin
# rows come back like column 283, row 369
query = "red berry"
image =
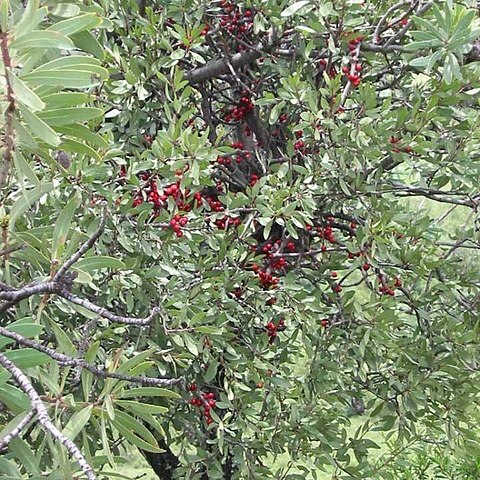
column 366, row 266
column 334, row 274
column 271, row 326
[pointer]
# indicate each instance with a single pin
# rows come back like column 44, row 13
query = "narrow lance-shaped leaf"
column 77, row 24
column 40, row 128
column 43, row 39
column 63, row 225
column 24, row 94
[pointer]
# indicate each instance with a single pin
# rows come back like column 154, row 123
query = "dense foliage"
column 228, row 227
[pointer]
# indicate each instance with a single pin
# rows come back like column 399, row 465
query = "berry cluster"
column 227, row 221
column 253, row 180
column 266, row 279
column 238, row 112
column 177, row 222
column 385, row 288
column 272, row 329
column 204, row 401
column 238, row 157
column 353, row 44
column 326, row 232
column 215, row 205
column 237, row 23
column 299, row 145
column 394, row 141
column 353, row 72
column 273, row 261
column 151, row 194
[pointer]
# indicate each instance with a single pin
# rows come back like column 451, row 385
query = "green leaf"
column 24, row 137
column 77, row 24
column 24, row 94
column 190, row 344
column 208, row 330
column 292, row 9
column 31, row 17
column 65, row 78
column 23, row 327
column 149, row 392
column 64, row 341
column 141, row 407
column 211, row 371
column 24, row 170
column 63, row 225
column 90, row 264
column 431, row 28
column 14, row 399
column 135, row 432
column 42, row 39
column 40, row 128
column 88, row 43
column 22, row 451
column 66, row 116
column 83, row 133
column 64, row 10
column 27, row 357
column 65, row 99
column 414, row 46
column 7, row 468
column 4, row 16
column 70, row 145
column 26, row 201
column 73, row 62
column 77, row 422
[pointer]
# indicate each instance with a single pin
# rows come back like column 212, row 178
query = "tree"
column 213, row 248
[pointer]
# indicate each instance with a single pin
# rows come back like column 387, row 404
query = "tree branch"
column 16, row 431
column 43, row 417
column 68, row 361
column 215, row 68
column 103, row 312
column 9, row 135
column 14, row 296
